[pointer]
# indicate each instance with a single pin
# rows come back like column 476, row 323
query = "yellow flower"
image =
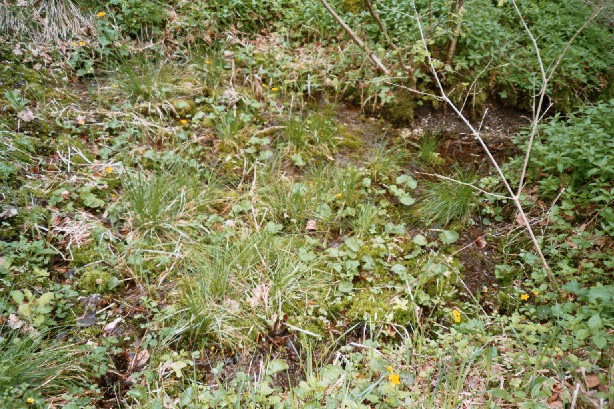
column 183, row 121
column 101, row 14
column 207, row 61
column 274, row 89
column 524, row 297
column 30, row 401
column 108, row 170
column 536, row 293
column 82, row 43
column 338, row 195
column 457, row 315
column 390, row 369
column 395, row 379
column 264, row 86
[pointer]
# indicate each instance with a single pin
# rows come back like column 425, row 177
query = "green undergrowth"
column 200, row 208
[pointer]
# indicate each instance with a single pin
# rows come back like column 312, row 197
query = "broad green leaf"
column 448, row 236
column 420, row 240
column 275, row 366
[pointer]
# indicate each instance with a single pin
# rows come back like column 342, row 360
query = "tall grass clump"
column 236, row 290
column 445, row 201
column 32, row 367
column 43, row 20
column 167, row 203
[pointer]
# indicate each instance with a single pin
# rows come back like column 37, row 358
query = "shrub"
column 576, row 153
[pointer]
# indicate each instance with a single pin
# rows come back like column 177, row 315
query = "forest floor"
column 187, row 235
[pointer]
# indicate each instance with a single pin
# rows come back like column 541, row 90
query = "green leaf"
column 501, row 394
column 420, row 240
column 600, row 341
column 177, row 367
column 324, row 211
column 17, row 296
column 448, row 236
column 407, row 200
column 139, row 392
column 353, row 243
column 595, row 322
column 275, row 366
column 398, row 269
column 112, row 283
column 407, row 181
column 346, row 286
column 45, row 299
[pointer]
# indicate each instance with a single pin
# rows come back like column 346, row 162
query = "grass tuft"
column 446, row 201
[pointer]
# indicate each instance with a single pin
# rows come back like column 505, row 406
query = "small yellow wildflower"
column 536, row 293
column 395, row 379
column 108, row 170
column 207, row 61
column 74, row 44
column 457, row 315
column 524, row 297
column 274, row 89
column 82, row 43
column 101, row 14
column 338, row 195
column 390, row 369
column 183, row 121
column 30, row 401
column 264, row 86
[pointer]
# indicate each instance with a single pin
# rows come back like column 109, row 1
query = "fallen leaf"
column 592, row 381
column 311, row 225
column 260, row 295
column 14, row 322
column 140, row 360
column 519, row 219
column 480, row 242
column 110, row 327
column 26, row 115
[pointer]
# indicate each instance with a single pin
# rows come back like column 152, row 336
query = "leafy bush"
column 141, row 18
column 576, row 153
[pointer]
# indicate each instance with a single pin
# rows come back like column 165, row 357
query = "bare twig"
column 545, row 79
column 356, row 39
column 464, row 184
column 479, row 138
column 575, row 396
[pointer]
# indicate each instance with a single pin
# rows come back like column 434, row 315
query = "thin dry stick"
column 477, row 135
column 545, row 79
column 356, row 39
column 574, row 398
column 464, row 184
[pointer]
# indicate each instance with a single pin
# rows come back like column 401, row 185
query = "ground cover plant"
column 284, row 204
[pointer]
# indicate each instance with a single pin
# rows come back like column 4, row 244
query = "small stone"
column 87, row 320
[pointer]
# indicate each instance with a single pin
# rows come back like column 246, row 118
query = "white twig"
column 465, row 184
column 479, row 138
column 574, row 398
column 545, row 79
